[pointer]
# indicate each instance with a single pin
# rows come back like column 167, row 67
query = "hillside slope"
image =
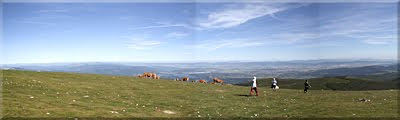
column 68, row 95
column 332, row 83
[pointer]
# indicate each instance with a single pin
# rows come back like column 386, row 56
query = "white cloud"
column 51, row 11
column 376, row 42
column 276, row 39
column 141, row 43
column 231, row 17
column 125, row 17
column 372, row 25
column 162, row 25
column 232, row 43
column 292, row 38
column 380, row 40
column 42, row 23
column 176, row 34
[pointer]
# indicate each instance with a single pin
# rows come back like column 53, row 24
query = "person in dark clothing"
column 306, row 86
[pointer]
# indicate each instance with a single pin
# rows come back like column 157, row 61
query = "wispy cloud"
column 125, row 17
column 380, row 40
column 176, row 34
column 141, row 43
column 228, row 16
column 161, row 25
column 376, row 42
column 51, row 11
column 46, row 17
column 47, row 21
column 293, row 38
column 212, row 45
column 326, row 30
column 299, row 38
column 371, row 25
column 42, row 23
column 234, row 16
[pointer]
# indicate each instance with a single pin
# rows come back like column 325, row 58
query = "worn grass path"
column 67, row 95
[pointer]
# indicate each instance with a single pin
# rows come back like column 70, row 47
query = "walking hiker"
column 306, row 86
column 274, row 84
column 254, row 86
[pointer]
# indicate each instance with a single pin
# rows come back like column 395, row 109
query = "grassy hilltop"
column 29, row 94
column 333, row 83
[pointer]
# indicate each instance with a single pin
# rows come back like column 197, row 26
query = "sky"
column 196, row 32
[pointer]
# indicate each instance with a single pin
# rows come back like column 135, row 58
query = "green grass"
column 331, row 83
column 51, row 94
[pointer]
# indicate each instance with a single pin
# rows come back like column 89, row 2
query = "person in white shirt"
column 274, row 84
column 254, row 86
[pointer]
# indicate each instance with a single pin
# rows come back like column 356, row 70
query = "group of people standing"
column 274, row 85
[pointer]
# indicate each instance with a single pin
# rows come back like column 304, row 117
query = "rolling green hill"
column 58, row 95
column 391, row 76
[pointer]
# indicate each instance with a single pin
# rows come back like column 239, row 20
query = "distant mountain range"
column 231, row 72
column 96, row 68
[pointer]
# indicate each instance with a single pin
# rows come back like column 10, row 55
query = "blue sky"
column 197, row 32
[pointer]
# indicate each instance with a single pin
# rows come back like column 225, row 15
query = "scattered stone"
column 114, row 112
column 48, row 113
column 364, row 100
column 169, row 112
column 86, row 96
column 31, row 97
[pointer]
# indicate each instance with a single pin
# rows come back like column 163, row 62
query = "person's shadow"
column 242, row 95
